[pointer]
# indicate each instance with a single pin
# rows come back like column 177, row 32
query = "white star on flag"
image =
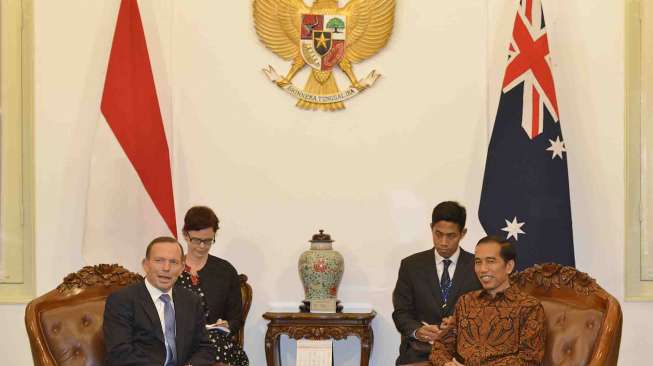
column 558, row 147
column 513, row 228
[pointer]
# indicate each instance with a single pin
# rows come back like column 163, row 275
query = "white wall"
column 369, row 175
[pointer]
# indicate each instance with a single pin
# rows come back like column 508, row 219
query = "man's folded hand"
column 429, row 333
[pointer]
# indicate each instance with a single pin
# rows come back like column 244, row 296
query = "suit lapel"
column 150, row 311
column 430, row 274
column 181, row 321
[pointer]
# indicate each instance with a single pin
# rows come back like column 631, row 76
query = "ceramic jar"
column 320, row 269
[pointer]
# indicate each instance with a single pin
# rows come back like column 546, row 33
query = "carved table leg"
column 367, row 341
column 272, row 355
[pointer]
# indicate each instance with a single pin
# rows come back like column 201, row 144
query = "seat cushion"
column 571, row 335
column 74, row 333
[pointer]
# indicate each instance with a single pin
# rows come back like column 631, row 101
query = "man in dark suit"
column 150, row 323
column 430, row 282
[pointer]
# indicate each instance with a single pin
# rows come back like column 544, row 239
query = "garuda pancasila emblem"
column 323, row 36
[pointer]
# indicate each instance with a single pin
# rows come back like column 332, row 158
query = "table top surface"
column 305, row 316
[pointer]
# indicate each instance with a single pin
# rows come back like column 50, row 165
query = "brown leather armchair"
column 65, row 325
column 583, row 320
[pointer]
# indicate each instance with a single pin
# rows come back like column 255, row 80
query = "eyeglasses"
column 197, row 241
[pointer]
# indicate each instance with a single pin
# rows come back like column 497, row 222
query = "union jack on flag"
column 525, row 194
column 529, row 62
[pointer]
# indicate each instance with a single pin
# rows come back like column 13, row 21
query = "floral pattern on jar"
column 321, row 269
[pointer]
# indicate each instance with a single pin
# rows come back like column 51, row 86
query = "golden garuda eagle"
column 323, row 36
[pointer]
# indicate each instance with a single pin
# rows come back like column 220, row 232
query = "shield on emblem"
column 322, row 40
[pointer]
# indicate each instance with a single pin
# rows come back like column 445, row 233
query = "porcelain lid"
column 321, row 238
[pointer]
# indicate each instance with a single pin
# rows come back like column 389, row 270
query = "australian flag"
column 525, row 195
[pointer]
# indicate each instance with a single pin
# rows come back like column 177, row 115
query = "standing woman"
column 216, row 281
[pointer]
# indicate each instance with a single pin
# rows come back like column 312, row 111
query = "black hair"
column 449, row 211
column 199, row 218
column 508, row 251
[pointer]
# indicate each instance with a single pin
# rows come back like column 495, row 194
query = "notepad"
column 220, row 328
column 314, row 353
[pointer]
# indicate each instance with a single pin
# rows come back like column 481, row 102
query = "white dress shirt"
column 439, row 263
column 158, row 304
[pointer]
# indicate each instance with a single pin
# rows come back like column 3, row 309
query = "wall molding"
column 17, row 279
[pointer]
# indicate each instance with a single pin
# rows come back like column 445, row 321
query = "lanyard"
column 445, row 293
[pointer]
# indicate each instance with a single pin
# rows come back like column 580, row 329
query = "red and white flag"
column 130, row 195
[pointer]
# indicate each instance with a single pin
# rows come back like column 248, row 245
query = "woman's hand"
column 222, row 323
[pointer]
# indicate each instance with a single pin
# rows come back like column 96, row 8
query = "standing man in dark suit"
column 150, row 323
column 430, row 282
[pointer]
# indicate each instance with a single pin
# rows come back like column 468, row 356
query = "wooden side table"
column 318, row 326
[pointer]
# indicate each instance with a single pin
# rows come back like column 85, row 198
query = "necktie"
column 445, row 281
column 170, row 330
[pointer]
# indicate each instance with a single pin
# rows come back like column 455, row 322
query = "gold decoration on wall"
column 323, row 36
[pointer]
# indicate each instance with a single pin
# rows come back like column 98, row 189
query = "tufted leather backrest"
column 65, row 325
column 583, row 320
column 74, row 333
column 572, row 333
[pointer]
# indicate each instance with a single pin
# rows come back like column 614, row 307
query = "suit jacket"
column 133, row 334
column 417, row 297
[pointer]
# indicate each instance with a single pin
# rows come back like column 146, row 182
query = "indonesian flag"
column 130, row 195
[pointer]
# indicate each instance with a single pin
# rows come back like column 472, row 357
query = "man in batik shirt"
column 498, row 325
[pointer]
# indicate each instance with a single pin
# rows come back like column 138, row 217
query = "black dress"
column 218, row 285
